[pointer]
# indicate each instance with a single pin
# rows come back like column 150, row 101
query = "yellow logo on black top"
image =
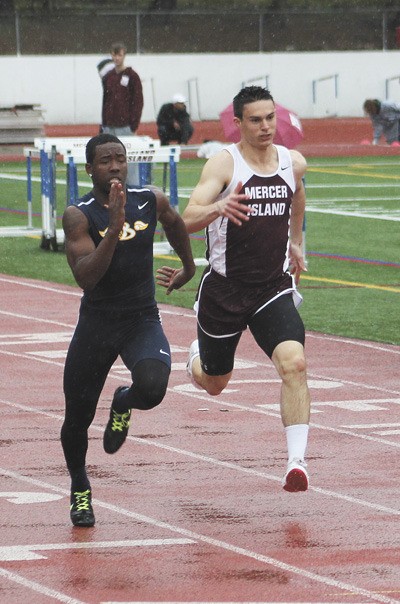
column 127, row 231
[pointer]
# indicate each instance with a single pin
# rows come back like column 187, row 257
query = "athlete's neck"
column 262, row 160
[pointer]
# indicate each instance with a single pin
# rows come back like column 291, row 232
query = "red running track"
column 191, row 509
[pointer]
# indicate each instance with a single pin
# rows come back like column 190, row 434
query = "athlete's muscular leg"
column 213, row 369
column 86, row 368
column 279, row 330
column 213, row 384
column 149, row 385
column 289, row 360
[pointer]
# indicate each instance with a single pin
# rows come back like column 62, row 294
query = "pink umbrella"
column 288, row 127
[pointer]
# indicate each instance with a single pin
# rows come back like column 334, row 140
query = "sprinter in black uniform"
column 251, row 201
column 109, row 244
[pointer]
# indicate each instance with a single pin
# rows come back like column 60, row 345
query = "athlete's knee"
column 150, row 381
column 290, row 361
column 153, row 394
column 78, row 418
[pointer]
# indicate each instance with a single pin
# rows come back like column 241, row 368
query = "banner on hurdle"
column 169, row 156
column 71, row 144
column 143, row 151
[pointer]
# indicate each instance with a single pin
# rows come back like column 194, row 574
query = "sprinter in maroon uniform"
column 251, row 201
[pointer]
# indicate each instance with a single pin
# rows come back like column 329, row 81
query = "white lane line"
column 181, row 312
column 28, row 497
column 13, row 553
column 224, row 464
column 38, row 587
column 217, row 543
column 360, row 185
column 30, row 284
column 352, row 214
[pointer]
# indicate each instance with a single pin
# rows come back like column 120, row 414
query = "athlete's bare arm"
column 203, row 208
column 88, row 263
column 175, row 230
column 297, row 216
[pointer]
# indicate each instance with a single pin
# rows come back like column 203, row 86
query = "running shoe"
column 117, row 427
column 296, row 477
column 81, row 510
column 193, row 353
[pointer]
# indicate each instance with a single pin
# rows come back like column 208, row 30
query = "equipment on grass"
column 141, row 150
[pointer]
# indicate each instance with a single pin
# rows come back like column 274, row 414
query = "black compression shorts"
column 277, row 322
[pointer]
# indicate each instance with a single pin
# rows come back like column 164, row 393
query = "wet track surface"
column 191, row 509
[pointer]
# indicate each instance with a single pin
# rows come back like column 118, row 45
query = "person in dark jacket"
column 174, row 123
column 122, row 101
column 122, row 96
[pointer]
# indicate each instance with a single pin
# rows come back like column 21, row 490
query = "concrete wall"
column 312, row 84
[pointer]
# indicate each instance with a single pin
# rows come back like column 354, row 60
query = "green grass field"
column 352, row 287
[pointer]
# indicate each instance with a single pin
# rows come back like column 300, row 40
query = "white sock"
column 296, row 437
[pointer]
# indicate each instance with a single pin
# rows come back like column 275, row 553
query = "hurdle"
column 145, row 157
column 47, row 191
column 28, row 154
column 141, row 150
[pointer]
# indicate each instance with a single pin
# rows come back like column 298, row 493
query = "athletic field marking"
column 367, row 426
column 49, row 337
column 396, row 290
column 20, row 498
column 355, row 185
column 358, row 406
column 115, row 374
column 359, row 200
column 182, row 312
column 52, row 288
column 353, row 214
column 219, row 544
column 352, row 173
column 59, row 181
column 38, row 587
column 335, row 212
column 9, row 553
column 231, row 465
column 41, row 320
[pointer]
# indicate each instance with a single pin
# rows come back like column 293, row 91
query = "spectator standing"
column 122, row 101
column 174, row 123
column 385, row 116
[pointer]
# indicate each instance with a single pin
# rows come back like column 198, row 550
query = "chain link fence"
column 93, row 30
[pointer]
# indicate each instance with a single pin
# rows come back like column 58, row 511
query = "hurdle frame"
column 141, row 150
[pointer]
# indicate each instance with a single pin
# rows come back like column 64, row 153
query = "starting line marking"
column 21, row 497
column 9, row 553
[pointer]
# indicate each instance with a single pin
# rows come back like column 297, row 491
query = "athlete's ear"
column 88, row 168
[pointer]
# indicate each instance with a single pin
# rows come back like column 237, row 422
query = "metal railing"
column 198, row 31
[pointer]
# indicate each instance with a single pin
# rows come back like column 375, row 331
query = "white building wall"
column 68, row 88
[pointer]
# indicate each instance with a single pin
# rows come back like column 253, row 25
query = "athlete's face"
column 258, row 123
column 109, row 165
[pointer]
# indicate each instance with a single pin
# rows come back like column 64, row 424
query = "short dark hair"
column 249, row 94
column 116, row 47
column 100, row 139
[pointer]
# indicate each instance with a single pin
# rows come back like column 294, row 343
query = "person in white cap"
column 174, row 123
